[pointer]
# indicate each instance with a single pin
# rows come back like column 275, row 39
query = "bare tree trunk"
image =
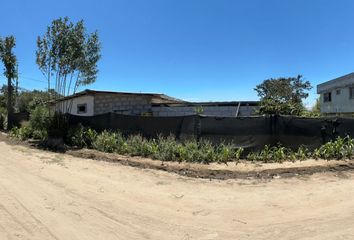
column 9, row 104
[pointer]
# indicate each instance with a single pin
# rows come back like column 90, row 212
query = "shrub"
column 167, row 149
column 90, row 136
column 40, row 134
column 80, row 136
column 22, row 134
column 207, row 153
column 136, row 145
column 191, row 151
column 39, row 118
column 106, row 142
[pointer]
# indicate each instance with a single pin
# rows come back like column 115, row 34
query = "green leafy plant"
column 9, row 60
column 106, row 142
column 39, row 118
column 283, row 95
column 22, row 133
column 338, row 149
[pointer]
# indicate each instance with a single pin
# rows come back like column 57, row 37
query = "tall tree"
column 10, row 71
column 67, row 56
column 283, row 95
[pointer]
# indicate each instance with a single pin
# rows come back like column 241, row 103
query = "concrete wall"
column 341, row 82
column 122, row 104
column 64, row 106
column 218, row 111
column 341, row 103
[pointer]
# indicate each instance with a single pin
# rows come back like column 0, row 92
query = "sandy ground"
column 48, row 196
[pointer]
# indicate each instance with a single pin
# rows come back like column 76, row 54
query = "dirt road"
column 54, row 196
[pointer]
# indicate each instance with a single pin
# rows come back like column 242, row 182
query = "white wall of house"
column 340, row 102
column 86, row 100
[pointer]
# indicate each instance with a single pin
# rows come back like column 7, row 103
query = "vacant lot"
column 53, row 196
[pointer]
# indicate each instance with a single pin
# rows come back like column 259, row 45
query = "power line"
column 32, row 79
column 38, row 80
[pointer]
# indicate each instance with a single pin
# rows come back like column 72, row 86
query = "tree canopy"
column 25, row 100
column 67, row 56
column 10, row 71
column 283, row 95
column 8, row 57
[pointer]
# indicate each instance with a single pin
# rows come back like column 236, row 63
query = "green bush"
column 168, row 149
column 39, row 118
column 90, row 136
column 40, row 134
column 80, row 136
column 106, row 142
column 136, row 145
column 22, row 134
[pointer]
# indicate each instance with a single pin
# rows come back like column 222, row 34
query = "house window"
column 351, row 92
column 337, row 91
column 81, row 108
column 327, row 97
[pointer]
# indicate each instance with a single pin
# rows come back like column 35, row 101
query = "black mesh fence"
column 146, row 126
column 247, row 132
column 251, row 133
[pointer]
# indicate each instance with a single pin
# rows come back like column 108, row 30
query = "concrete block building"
column 216, row 109
column 337, row 96
column 91, row 103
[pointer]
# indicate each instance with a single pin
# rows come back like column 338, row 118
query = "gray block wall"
column 216, row 111
column 122, row 104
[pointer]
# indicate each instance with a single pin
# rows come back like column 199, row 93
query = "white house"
column 337, row 95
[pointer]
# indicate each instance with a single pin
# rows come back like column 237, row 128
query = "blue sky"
column 198, row 50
